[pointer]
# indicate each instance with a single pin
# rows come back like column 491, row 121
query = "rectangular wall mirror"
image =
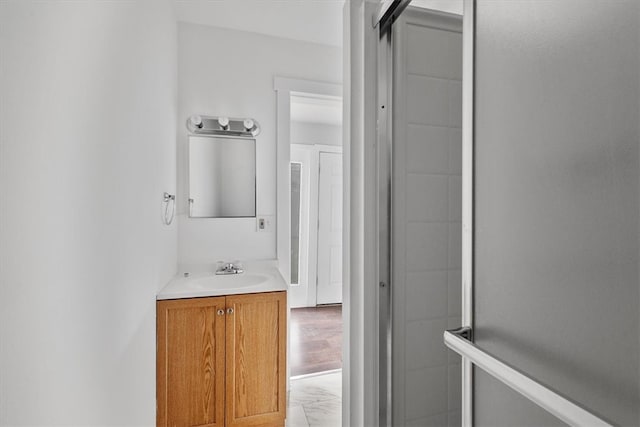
column 222, row 177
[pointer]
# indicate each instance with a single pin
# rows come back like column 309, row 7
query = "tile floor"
column 316, row 401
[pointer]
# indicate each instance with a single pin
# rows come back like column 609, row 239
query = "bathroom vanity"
column 221, row 350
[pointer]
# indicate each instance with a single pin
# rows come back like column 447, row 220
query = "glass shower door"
column 556, row 207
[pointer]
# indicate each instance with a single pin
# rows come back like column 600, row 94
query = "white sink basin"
column 225, row 282
column 206, row 284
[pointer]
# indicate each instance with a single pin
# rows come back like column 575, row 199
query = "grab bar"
column 566, row 410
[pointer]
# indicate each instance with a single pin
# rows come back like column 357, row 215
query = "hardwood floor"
column 316, row 339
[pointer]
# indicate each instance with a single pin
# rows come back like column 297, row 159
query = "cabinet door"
column 190, row 362
column 256, row 349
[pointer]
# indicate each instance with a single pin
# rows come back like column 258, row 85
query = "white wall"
column 88, row 99
column 229, row 72
column 315, row 133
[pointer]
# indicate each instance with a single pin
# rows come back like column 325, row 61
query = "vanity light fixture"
column 223, row 126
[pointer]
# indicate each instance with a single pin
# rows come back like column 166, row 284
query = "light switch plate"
column 265, row 223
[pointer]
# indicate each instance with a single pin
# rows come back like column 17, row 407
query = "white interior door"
column 329, row 289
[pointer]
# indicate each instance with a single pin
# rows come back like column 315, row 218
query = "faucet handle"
column 224, row 267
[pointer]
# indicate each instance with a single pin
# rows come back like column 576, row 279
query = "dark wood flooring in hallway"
column 316, row 339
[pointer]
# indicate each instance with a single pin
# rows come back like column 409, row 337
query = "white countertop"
column 203, row 282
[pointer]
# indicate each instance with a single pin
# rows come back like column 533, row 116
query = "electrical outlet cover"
column 265, row 223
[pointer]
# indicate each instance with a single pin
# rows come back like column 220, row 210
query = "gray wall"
column 556, row 213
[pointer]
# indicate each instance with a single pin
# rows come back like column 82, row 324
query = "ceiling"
column 315, row 109
column 315, row 21
column 451, row 6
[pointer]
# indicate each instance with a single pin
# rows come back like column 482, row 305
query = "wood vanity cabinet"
column 221, row 361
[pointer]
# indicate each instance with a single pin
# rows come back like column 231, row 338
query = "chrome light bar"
column 223, row 126
column 566, row 410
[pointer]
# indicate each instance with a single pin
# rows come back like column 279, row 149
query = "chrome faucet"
column 229, row 268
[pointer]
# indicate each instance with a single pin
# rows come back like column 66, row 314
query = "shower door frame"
column 388, row 12
column 468, row 102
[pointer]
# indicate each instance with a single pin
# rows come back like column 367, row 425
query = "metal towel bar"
column 561, row 407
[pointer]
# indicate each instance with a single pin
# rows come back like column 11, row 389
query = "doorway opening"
column 315, row 356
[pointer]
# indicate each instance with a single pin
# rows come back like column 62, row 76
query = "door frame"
column 284, row 87
column 468, row 91
column 360, row 272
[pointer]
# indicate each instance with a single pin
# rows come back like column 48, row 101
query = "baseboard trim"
column 315, row 374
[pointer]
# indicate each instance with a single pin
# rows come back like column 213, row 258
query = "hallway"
column 316, row 339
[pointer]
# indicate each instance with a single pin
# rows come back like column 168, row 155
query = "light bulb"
column 248, row 124
column 196, row 121
column 223, row 122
